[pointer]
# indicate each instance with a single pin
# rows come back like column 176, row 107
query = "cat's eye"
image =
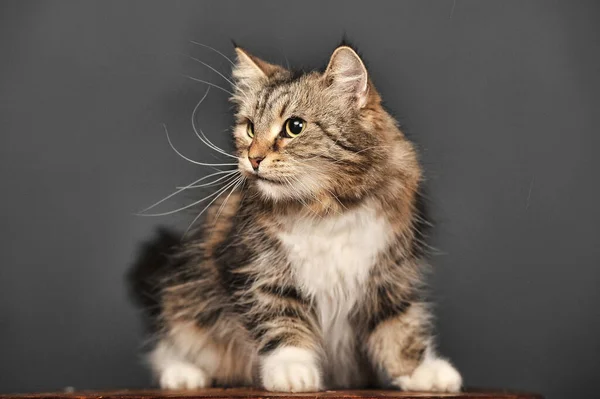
column 250, row 129
column 293, row 127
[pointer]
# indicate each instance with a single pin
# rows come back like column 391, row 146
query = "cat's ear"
column 250, row 69
column 347, row 73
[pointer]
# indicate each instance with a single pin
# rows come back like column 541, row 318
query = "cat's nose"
column 255, row 162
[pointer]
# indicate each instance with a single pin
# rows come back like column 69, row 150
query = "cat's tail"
column 154, row 262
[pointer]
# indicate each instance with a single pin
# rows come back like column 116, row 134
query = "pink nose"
column 255, row 162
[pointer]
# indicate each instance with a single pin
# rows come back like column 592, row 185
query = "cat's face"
column 310, row 135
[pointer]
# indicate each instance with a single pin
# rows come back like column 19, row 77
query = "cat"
column 309, row 275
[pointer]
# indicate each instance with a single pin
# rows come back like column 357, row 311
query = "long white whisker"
column 214, row 147
column 214, row 182
column 203, row 138
column 192, row 204
column 213, row 49
column 210, row 67
column 191, row 160
column 208, row 83
column 227, row 199
column 180, row 189
column 211, row 144
column 209, row 204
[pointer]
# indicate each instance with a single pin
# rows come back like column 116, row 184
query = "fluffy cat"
column 309, row 276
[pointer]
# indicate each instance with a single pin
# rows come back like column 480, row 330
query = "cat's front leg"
column 291, row 368
column 289, row 348
column 174, row 370
column 399, row 344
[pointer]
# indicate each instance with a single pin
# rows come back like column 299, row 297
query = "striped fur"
column 311, row 276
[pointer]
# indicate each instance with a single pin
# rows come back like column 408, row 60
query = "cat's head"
column 311, row 135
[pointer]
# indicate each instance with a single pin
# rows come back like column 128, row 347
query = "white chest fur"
column 331, row 258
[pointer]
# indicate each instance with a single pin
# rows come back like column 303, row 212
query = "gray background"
column 502, row 98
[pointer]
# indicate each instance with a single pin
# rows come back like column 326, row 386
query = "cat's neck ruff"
column 332, row 256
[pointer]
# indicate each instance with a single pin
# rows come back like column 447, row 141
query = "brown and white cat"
column 309, row 276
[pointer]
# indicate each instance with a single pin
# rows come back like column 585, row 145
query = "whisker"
column 209, row 66
column 227, row 199
column 191, row 160
column 180, row 189
column 208, row 83
column 214, row 147
column 213, row 49
column 203, row 138
column 212, row 183
column 220, row 192
column 233, row 178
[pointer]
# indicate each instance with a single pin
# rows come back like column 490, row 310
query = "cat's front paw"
column 432, row 375
column 291, row 369
column 183, row 376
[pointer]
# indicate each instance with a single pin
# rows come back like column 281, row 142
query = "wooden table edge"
column 228, row 393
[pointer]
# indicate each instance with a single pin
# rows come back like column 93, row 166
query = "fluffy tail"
column 155, row 262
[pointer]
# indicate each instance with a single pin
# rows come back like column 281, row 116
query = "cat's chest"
column 332, row 257
column 331, row 260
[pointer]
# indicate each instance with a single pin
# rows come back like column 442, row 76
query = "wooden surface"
column 216, row 393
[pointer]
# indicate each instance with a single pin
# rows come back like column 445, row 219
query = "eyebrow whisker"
column 191, row 160
column 201, row 135
column 209, row 66
column 213, row 49
column 208, row 83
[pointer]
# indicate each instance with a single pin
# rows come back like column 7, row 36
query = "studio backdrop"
column 500, row 97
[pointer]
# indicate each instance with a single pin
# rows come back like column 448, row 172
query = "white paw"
column 183, row 376
column 291, row 370
column 432, row 375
